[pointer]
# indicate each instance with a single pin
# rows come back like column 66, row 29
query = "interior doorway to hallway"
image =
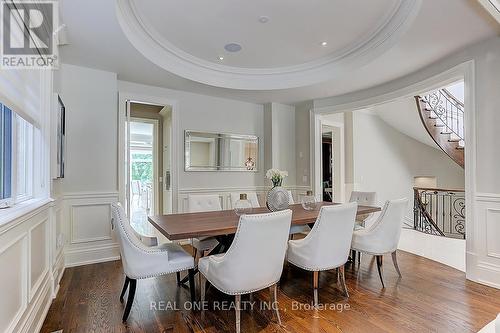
column 148, row 163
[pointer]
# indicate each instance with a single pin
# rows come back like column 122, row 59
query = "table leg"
column 225, row 242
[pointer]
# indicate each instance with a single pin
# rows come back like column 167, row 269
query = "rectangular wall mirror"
column 206, row 151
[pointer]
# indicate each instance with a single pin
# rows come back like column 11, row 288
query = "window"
column 5, row 153
column 16, row 150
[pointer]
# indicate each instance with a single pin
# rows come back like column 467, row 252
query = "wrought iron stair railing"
column 448, row 111
column 439, row 212
column 443, row 117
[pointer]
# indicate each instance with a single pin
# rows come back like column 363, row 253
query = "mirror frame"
column 187, row 150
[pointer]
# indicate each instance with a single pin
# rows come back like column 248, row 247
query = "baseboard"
column 91, row 255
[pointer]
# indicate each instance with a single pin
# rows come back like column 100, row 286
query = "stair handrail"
column 419, row 207
column 451, row 114
column 446, row 205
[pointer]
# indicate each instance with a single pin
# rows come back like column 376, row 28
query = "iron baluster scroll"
column 448, row 110
column 439, row 212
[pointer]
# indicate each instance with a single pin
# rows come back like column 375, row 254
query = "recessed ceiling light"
column 263, row 19
column 232, row 47
column 324, row 43
column 221, row 58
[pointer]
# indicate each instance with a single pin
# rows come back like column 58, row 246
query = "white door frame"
column 339, row 183
column 123, row 97
column 464, row 71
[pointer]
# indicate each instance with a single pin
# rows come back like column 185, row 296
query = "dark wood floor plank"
column 430, row 297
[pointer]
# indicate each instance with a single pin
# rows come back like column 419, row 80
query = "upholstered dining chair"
column 203, row 203
column 140, row 261
column 248, row 267
column 251, row 196
column 296, row 229
column 382, row 237
column 327, row 245
column 366, row 199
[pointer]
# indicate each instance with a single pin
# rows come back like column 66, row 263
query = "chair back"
column 328, row 243
column 131, row 247
column 255, row 259
column 364, row 198
column 290, row 198
column 386, row 230
column 203, row 203
column 251, row 196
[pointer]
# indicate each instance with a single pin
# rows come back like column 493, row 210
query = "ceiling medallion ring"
column 171, row 58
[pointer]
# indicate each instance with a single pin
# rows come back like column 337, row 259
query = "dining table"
column 223, row 224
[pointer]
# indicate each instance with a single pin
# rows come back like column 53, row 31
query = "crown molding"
column 169, row 57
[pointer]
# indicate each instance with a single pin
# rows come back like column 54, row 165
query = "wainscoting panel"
column 38, row 255
column 225, row 194
column 28, row 284
column 493, row 232
column 483, row 257
column 90, row 222
column 13, row 301
column 86, row 228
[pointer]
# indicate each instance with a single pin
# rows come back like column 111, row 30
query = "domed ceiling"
column 263, row 44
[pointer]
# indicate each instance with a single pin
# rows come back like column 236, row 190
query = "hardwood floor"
column 429, row 298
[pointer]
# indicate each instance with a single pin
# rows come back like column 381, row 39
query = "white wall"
column 31, row 259
column 90, row 97
column 91, row 181
column 386, row 160
column 302, row 144
column 281, row 143
column 212, row 114
column 482, row 86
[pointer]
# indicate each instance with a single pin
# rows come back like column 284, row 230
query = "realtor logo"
column 28, row 38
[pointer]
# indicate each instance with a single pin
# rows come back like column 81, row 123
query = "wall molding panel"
column 28, row 251
column 86, row 228
column 224, row 194
column 484, row 258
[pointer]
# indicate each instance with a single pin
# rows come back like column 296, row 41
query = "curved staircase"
column 443, row 117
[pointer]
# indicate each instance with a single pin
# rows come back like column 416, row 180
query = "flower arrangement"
column 276, row 176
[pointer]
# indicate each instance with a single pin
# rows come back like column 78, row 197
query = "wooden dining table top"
column 225, row 222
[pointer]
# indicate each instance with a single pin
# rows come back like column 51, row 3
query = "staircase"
column 443, row 117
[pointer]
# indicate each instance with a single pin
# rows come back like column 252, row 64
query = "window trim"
column 29, row 180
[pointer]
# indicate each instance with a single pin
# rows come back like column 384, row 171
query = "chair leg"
column 353, row 258
column 191, row 284
column 380, row 269
column 178, row 277
column 274, row 301
column 315, row 287
column 130, row 299
column 195, row 256
column 125, row 286
column 341, row 280
column 395, row 261
column 359, row 257
column 238, row 310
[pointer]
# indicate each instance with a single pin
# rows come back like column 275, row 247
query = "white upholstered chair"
column 251, row 196
column 382, row 237
column 366, row 199
column 249, row 266
column 203, row 203
column 296, row 229
column 140, row 261
column 327, row 245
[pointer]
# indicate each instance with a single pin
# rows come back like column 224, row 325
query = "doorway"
column 147, row 163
